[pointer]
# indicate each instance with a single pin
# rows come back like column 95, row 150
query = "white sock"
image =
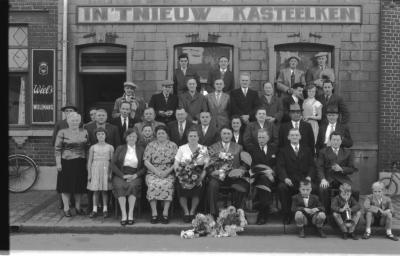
column 368, row 230
column 105, row 208
column 388, row 232
column 95, row 208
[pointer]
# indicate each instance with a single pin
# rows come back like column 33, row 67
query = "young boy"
column 344, row 204
column 378, row 209
column 308, row 208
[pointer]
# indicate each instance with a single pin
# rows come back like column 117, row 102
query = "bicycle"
column 22, row 173
column 390, row 183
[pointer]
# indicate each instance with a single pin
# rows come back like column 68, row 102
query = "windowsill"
column 30, row 133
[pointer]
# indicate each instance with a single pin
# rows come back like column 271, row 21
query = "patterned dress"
column 100, row 168
column 161, row 157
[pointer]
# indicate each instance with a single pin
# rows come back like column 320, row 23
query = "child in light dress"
column 99, row 173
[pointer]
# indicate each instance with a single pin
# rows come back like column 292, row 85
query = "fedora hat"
column 294, row 107
column 332, row 110
column 320, row 54
column 69, row 106
column 294, row 57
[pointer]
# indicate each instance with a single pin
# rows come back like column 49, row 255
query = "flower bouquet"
column 203, row 225
column 221, row 161
column 189, row 171
column 230, row 221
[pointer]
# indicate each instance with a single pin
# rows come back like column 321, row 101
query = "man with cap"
column 317, row 73
column 295, row 98
column 334, row 165
column 164, row 103
column 330, row 99
column 289, row 76
column 182, row 74
column 137, row 103
column 223, row 73
column 305, row 129
column 325, row 130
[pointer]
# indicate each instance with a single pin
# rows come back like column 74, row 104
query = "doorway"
column 101, row 91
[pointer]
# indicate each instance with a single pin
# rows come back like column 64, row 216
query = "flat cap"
column 130, row 84
column 320, row 54
column 294, row 57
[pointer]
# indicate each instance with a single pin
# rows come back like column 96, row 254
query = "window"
column 18, row 60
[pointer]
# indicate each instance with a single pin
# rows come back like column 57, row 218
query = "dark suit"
column 326, row 159
column 118, row 123
column 112, row 138
column 250, row 136
column 296, row 168
column 306, row 132
column 216, row 74
column 214, row 183
column 337, row 102
column 174, row 132
column 240, row 139
column 211, row 136
column 274, row 108
column 298, row 205
column 244, row 105
column 158, row 102
column 180, row 80
column 286, row 102
column 193, row 105
column 347, row 141
column 315, row 73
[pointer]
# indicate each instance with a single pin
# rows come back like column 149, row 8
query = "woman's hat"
column 130, row 84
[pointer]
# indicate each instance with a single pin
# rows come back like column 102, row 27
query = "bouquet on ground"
column 189, row 171
column 230, row 221
column 222, row 162
column 203, row 225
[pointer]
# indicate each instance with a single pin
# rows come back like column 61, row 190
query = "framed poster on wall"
column 43, row 86
column 204, row 56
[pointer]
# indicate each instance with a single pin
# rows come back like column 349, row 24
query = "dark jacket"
column 258, row 156
column 158, row 102
column 244, row 105
column 118, row 160
column 347, row 141
column 250, row 136
column 338, row 202
column 174, row 132
column 306, row 132
column 286, row 102
column 313, row 202
column 112, row 138
column 117, row 123
column 193, row 105
column 180, row 80
column 211, row 136
column 216, row 74
column 274, row 108
column 337, row 102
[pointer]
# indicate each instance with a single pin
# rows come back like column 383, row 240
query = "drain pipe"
column 64, row 55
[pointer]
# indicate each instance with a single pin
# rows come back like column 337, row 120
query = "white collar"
column 293, row 146
column 223, row 70
column 295, row 98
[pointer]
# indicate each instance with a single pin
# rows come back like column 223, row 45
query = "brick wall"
column 39, row 149
column 389, row 121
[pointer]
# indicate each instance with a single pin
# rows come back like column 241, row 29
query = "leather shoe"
column 353, row 236
column 80, row 212
column 366, row 235
column 392, row 237
column 321, row 233
column 164, row 220
column 301, row 232
column 60, row 204
column 67, row 213
column 186, row 218
column 345, row 235
column 93, row 215
column 130, row 222
column 261, row 221
column 154, row 219
column 123, row 222
column 105, row 214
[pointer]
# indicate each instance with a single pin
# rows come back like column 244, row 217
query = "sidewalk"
column 37, row 212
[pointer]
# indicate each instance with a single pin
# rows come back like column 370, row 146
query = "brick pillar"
column 389, row 113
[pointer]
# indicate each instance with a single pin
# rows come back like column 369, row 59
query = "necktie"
column 204, row 130
column 226, row 148
column 296, row 125
column 292, row 78
column 124, row 124
column 222, row 74
column 336, row 151
column 326, row 98
column 218, row 97
column 265, row 150
column 296, row 150
column 245, row 92
column 180, row 129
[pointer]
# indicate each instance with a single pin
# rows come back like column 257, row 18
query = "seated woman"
column 127, row 166
column 70, row 153
column 185, row 152
column 238, row 129
column 159, row 159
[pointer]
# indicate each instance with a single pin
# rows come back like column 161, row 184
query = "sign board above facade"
column 218, row 14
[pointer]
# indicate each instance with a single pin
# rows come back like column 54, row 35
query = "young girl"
column 147, row 135
column 99, row 173
column 312, row 110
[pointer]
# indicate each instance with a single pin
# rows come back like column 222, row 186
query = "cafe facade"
column 97, row 45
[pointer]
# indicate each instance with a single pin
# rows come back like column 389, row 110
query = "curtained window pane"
column 16, row 96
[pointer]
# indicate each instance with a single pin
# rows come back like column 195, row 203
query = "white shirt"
column 335, row 150
column 294, row 124
column 130, row 157
column 204, row 129
column 236, row 137
column 306, row 201
column 264, row 149
column 329, row 130
column 225, row 146
column 295, row 99
column 261, row 125
column 223, row 70
column 183, row 125
column 244, row 90
column 294, row 147
column 184, row 153
column 184, row 70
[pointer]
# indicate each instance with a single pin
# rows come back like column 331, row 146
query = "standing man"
column 92, row 114
column 164, row 103
column 334, row 165
column 306, row 132
column 182, row 74
column 137, row 103
column 325, row 130
column 124, row 121
column 218, row 104
column 149, row 116
column 317, row 74
column 329, row 99
column 208, row 134
column 295, row 98
column 295, row 163
column 193, row 102
column 221, row 73
column 179, row 128
column 289, row 76
column 244, row 101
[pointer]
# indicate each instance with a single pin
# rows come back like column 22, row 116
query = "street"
column 164, row 243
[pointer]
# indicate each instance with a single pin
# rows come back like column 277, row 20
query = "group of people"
column 298, row 142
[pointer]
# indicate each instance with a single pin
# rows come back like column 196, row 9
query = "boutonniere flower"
column 273, row 156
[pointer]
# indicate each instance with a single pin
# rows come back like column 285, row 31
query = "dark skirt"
column 72, row 178
column 123, row 188
column 194, row 192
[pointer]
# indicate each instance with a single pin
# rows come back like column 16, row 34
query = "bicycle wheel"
column 22, row 172
column 390, row 188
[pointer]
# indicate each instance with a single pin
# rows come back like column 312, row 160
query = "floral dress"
column 161, row 157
